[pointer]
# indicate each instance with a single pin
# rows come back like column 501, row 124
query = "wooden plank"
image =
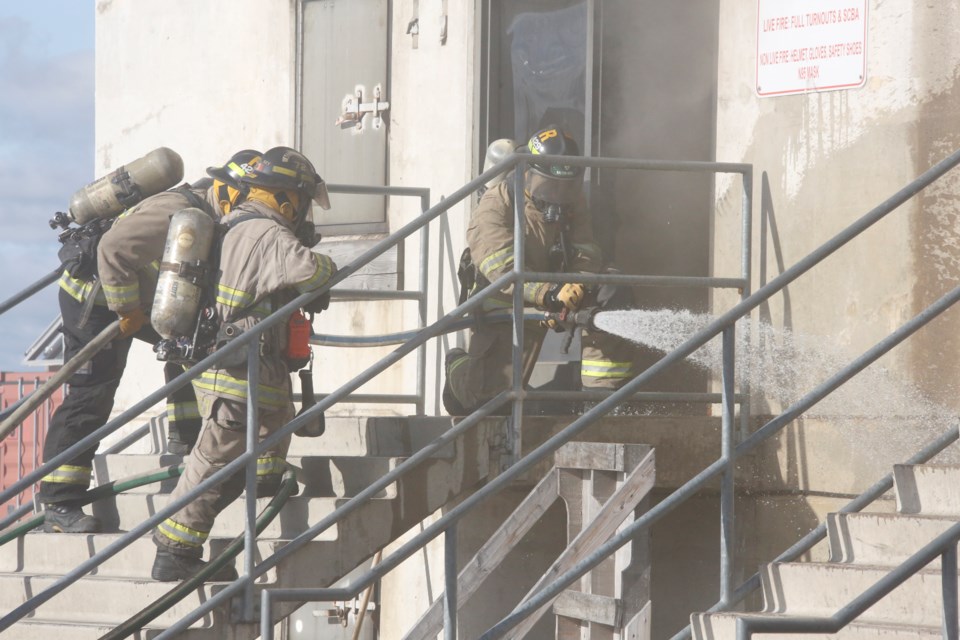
column 604, row 456
column 638, row 628
column 589, row 607
column 620, row 505
column 383, row 272
column 491, row 554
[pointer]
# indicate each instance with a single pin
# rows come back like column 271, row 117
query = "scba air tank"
column 496, row 152
column 183, row 272
column 124, row 187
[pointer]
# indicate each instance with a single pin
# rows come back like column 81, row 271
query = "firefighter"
column 128, row 256
column 263, row 265
column 558, row 238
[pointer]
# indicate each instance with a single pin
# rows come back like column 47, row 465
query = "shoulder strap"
column 195, row 200
column 243, row 218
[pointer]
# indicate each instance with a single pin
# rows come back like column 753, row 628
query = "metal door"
column 343, row 96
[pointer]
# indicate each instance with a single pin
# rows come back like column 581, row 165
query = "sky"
column 46, row 139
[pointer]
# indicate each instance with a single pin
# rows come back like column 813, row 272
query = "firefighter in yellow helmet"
column 558, row 238
column 263, row 265
column 123, row 284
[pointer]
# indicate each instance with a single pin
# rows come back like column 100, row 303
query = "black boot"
column 171, row 567
column 178, row 448
column 68, row 517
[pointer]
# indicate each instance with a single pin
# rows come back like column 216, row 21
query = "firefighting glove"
column 563, row 296
column 131, row 321
column 318, row 305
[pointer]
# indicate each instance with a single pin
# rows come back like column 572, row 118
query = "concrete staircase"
column 348, row 457
column 864, row 547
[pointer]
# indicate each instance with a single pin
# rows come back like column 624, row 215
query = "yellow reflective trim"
column 456, row 363
column 496, row 260
column 122, row 295
column 320, row 276
column 184, row 535
column 78, row 289
column 69, row 474
column 237, row 169
column 182, row 411
column 284, row 171
column 233, row 298
column 271, row 465
column 223, row 384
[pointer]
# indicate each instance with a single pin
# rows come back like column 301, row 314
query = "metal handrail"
column 470, row 305
column 816, row 535
column 944, row 545
column 421, row 295
column 32, row 289
column 248, row 458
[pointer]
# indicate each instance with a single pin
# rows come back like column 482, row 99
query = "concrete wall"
column 165, row 77
column 205, row 79
column 824, row 159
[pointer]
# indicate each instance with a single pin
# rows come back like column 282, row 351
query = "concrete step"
column 319, row 476
column 125, row 511
column 882, row 539
column 101, row 601
column 381, row 436
column 54, row 553
column 932, row 490
column 722, row 626
column 34, row 629
column 820, row 589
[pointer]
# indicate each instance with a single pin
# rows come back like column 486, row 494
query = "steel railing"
column 724, row 324
column 723, row 466
column 516, row 395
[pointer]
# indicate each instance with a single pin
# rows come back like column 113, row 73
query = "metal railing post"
column 726, row 454
column 421, row 392
column 746, row 273
column 519, row 228
column 948, row 572
column 250, row 484
column 450, row 583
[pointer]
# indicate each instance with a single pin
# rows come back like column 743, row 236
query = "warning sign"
column 810, row 45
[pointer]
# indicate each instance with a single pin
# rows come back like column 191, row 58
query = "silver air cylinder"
column 124, row 187
column 496, row 152
column 182, row 273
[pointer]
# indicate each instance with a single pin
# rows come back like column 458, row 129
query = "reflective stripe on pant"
column 607, row 362
column 222, row 440
column 489, row 370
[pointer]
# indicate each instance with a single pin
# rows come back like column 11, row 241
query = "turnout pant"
column 89, row 402
column 486, row 370
column 222, row 440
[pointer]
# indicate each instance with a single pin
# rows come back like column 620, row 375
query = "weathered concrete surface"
column 824, row 159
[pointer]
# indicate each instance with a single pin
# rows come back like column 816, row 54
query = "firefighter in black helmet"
column 123, row 285
column 559, row 238
column 263, row 266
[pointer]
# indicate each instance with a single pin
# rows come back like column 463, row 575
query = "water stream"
column 781, row 367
